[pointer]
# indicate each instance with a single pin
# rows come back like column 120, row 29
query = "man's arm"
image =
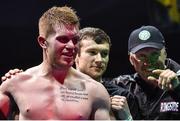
column 120, row 107
column 4, row 106
column 177, row 89
column 124, row 103
column 101, row 104
column 8, row 107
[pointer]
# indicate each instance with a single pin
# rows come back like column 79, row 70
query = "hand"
column 120, row 104
column 167, row 79
column 11, row 73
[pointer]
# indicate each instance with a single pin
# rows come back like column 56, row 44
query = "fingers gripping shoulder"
column 11, row 83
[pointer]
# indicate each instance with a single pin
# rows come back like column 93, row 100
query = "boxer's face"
column 62, row 45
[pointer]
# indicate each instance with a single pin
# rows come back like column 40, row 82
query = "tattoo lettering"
column 73, row 95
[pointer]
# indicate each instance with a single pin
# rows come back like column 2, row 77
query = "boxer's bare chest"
column 50, row 101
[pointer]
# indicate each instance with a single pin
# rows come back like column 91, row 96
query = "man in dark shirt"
column 92, row 59
column 155, row 85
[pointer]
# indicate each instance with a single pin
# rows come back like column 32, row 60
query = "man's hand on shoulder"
column 10, row 74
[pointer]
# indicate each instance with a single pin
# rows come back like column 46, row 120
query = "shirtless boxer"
column 53, row 89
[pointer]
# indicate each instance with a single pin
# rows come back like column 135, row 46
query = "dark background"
column 19, row 29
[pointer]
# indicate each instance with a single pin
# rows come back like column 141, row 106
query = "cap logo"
column 144, row 35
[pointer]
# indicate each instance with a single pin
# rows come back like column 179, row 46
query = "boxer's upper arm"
column 102, row 114
column 102, row 104
column 4, row 106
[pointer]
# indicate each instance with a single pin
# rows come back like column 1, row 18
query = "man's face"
column 93, row 58
column 62, row 45
column 148, row 59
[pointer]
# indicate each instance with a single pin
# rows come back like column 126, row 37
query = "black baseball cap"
column 145, row 36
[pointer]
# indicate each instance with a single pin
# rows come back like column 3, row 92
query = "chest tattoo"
column 73, row 95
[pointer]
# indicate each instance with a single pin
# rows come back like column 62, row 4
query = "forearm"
column 122, row 115
column 175, row 92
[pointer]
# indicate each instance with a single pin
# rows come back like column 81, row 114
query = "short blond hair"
column 54, row 16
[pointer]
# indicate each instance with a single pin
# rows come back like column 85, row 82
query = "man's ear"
column 77, row 60
column 42, row 42
column 165, row 53
column 131, row 59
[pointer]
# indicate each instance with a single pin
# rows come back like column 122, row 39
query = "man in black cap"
column 155, row 84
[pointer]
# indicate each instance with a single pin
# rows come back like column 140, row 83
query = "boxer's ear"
column 42, row 42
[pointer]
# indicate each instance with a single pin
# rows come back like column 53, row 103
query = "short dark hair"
column 98, row 35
